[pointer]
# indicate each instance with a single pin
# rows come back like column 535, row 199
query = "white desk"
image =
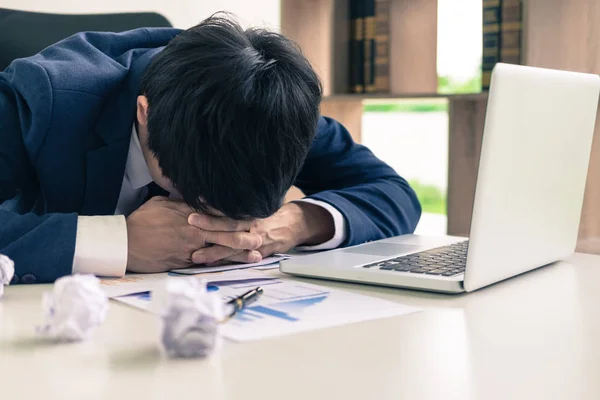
column 533, row 337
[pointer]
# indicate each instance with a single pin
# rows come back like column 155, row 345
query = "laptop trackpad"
column 383, row 249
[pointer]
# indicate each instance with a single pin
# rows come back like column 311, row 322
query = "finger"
column 224, row 224
column 235, row 240
column 270, row 249
column 246, row 256
column 211, row 254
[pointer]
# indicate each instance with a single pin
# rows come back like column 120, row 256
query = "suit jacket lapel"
column 106, row 165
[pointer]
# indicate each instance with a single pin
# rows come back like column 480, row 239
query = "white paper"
column 286, row 307
column 271, row 262
column 74, row 309
column 266, row 267
column 132, row 283
column 138, row 283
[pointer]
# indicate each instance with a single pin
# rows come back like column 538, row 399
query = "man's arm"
column 41, row 246
column 375, row 201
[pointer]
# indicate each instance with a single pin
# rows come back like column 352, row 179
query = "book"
column 356, row 46
column 382, row 46
column 369, row 46
column 492, row 19
column 510, row 31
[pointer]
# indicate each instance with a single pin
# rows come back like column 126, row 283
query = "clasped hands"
column 165, row 234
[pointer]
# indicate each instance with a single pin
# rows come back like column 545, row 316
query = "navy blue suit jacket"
column 65, row 124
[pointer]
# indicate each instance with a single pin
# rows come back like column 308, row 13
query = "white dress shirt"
column 101, row 241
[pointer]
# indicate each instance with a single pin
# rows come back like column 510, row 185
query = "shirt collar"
column 136, row 169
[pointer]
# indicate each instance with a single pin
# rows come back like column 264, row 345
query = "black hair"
column 231, row 116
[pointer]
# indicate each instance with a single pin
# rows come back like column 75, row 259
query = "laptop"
column 535, row 152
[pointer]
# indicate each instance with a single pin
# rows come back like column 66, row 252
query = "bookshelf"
column 320, row 27
column 556, row 34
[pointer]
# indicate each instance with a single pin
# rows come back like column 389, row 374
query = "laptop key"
column 387, row 267
column 404, row 267
column 449, row 273
column 434, row 272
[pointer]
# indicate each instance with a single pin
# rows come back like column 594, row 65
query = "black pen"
column 244, row 300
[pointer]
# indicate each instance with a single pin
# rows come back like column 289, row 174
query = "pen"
column 244, row 300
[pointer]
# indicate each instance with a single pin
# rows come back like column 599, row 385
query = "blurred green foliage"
column 432, row 199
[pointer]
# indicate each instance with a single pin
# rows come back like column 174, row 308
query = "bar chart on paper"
column 283, row 310
column 287, row 306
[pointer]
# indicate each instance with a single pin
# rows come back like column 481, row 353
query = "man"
column 156, row 149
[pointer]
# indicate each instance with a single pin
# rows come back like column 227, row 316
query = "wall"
column 181, row 13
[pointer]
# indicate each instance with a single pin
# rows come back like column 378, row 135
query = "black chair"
column 23, row 34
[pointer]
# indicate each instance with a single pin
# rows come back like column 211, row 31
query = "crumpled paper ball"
column 7, row 271
column 74, row 309
column 190, row 318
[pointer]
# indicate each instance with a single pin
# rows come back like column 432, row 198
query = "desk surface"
column 536, row 336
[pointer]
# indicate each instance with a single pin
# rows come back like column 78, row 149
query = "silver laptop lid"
column 535, row 152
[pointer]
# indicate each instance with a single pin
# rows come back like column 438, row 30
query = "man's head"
column 229, row 115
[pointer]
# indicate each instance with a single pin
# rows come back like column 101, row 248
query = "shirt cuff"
column 339, row 223
column 101, row 246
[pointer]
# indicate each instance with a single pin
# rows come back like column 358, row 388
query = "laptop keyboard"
column 445, row 261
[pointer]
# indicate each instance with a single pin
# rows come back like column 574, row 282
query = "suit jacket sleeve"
column 41, row 246
column 376, row 202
